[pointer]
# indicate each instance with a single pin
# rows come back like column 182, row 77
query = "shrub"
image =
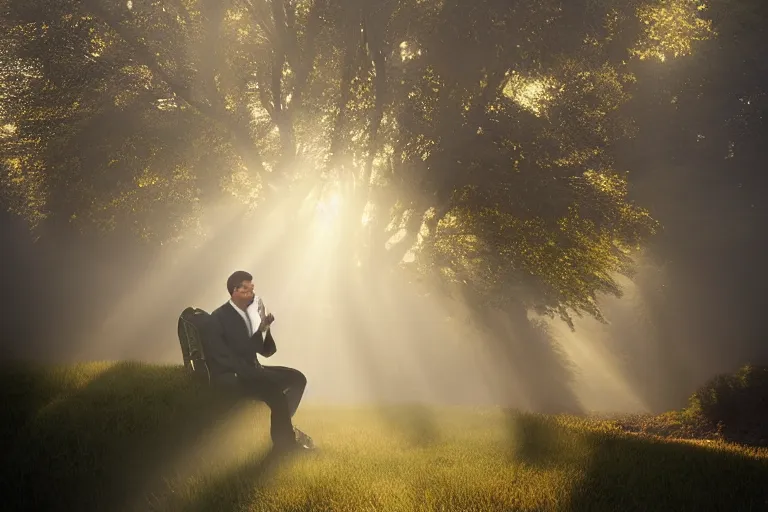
column 736, row 404
column 673, row 424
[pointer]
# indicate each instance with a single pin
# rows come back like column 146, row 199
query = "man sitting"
column 231, row 349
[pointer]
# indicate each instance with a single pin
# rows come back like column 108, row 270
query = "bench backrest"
column 191, row 329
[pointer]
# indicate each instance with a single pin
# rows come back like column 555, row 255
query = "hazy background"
column 679, row 323
column 697, row 161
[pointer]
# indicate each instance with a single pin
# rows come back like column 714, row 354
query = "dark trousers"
column 281, row 388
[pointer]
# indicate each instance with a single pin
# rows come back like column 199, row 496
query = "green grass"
column 139, row 437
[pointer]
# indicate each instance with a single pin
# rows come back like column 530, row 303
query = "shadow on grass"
column 542, row 442
column 628, row 473
column 635, row 474
column 24, row 389
column 98, row 442
column 415, row 422
column 233, row 489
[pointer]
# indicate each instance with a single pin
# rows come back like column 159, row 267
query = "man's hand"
column 267, row 321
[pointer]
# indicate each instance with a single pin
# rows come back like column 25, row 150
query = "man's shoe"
column 290, row 448
column 303, row 439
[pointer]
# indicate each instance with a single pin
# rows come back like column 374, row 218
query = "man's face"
column 243, row 294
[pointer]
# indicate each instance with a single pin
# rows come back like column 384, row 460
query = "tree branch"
column 452, row 174
column 278, row 57
column 337, row 138
column 396, row 253
column 376, row 54
column 260, row 14
column 213, row 15
column 279, row 114
column 304, row 66
column 264, row 92
column 183, row 12
column 148, row 57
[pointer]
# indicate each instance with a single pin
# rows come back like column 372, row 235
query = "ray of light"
column 364, row 334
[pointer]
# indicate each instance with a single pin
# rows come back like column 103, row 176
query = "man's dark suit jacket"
column 229, row 349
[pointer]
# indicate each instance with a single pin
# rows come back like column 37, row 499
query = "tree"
column 477, row 139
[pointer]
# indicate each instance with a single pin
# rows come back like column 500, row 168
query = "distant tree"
column 698, row 165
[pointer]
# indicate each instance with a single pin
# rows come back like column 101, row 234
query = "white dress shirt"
column 253, row 316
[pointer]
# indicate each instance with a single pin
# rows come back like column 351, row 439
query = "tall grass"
column 139, row 437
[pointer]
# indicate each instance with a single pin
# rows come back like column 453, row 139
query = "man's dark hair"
column 236, row 279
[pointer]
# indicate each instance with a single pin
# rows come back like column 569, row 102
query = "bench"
column 192, row 327
column 191, row 330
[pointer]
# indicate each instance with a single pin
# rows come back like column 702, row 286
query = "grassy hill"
column 139, row 437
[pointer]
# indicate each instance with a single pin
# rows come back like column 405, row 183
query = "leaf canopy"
column 482, row 134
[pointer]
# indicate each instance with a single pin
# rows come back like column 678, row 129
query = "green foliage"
column 504, row 115
column 130, row 436
column 686, row 424
column 730, row 407
column 671, row 28
column 737, row 404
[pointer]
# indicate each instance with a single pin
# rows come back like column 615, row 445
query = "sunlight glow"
column 408, row 52
column 396, row 238
column 328, row 208
column 368, row 213
column 671, row 29
column 599, row 382
column 532, row 94
column 7, row 130
column 328, row 301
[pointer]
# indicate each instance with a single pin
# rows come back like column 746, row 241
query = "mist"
column 384, row 335
column 392, row 339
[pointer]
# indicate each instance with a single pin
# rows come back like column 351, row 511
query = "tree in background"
column 698, row 166
column 482, row 134
column 475, row 144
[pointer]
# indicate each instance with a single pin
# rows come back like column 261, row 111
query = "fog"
column 368, row 337
column 379, row 335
